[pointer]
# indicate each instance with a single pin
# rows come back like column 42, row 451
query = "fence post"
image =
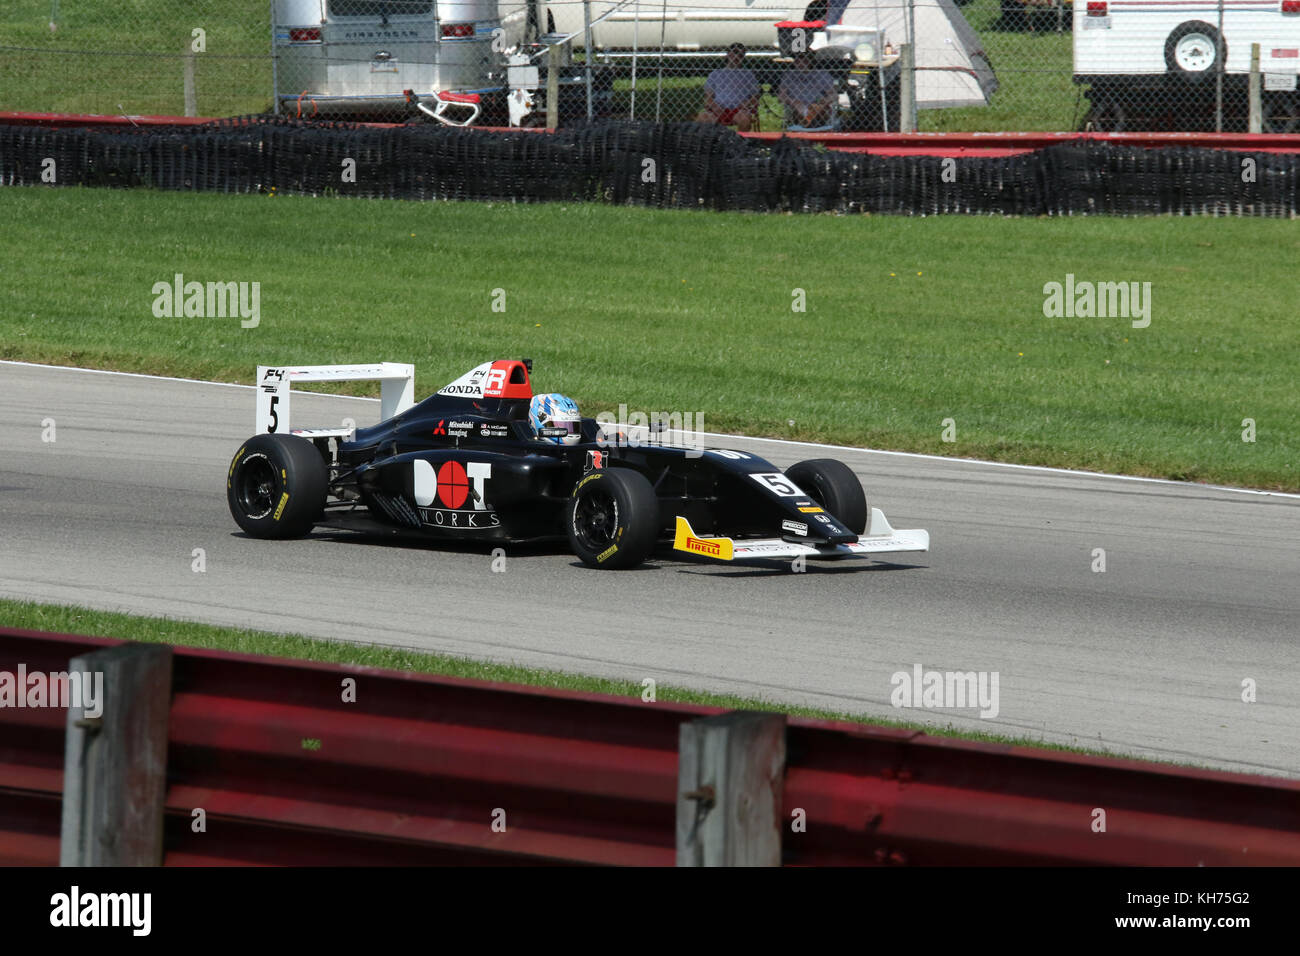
column 906, row 88
column 191, row 97
column 1218, row 74
column 730, row 779
column 553, row 87
column 1256, row 104
column 115, row 761
column 586, row 53
column 275, row 64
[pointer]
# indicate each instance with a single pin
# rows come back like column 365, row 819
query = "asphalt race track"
column 1147, row 658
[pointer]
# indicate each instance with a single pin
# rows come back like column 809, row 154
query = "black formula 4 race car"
column 465, row 464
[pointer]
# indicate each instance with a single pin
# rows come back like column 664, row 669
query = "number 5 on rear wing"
column 397, row 392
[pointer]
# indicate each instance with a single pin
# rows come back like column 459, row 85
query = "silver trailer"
column 357, row 57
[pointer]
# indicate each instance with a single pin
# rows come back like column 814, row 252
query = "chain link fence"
column 977, row 65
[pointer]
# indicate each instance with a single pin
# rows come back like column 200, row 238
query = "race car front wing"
column 880, row 538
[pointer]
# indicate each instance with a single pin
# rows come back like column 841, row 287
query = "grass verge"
column 909, row 323
column 31, row 615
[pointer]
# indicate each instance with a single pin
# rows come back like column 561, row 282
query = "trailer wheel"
column 1193, row 50
column 1107, row 116
column 1281, row 114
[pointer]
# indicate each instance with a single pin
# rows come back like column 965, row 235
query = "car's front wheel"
column 612, row 518
column 276, row 486
column 834, row 486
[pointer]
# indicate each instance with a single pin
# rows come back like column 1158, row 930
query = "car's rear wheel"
column 834, row 486
column 276, row 486
column 612, row 518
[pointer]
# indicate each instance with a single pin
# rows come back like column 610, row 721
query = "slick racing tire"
column 276, row 486
column 1193, row 51
column 612, row 518
column 834, row 486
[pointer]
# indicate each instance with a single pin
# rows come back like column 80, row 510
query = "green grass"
column 908, row 322
column 1036, row 91
column 30, row 615
column 129, row 52
column 126, row 55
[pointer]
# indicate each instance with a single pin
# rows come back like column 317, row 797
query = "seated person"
column 808, row 94
column 731, row 93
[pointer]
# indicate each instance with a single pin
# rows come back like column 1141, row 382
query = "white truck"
column 1152, row 64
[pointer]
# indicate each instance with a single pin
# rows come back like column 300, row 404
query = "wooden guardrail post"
column 730, row 778
column 115, row 761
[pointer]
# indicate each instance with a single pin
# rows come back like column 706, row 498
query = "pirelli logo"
column 687, row 540
column 712, row 548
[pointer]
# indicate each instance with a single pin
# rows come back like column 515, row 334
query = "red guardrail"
column 883, row 144
column 415, row 770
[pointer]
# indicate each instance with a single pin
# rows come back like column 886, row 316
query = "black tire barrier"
column 677, row 166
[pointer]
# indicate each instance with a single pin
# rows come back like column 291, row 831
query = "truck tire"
column 833, row 485
column 1194, row 50
column 612, row 518
column 276, row 486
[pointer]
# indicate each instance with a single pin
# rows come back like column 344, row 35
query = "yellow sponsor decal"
column 607, row 552
column 811, row 511
column 592, row 477
column 687, row 540
column 238, row 455
column 279, row 509
column 700, row 546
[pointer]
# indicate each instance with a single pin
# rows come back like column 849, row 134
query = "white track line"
column 779, row 441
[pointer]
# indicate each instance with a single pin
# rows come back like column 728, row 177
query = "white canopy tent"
column 952, row 68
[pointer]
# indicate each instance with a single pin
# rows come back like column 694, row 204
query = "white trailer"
column 952, row 67
column 357, row 57
column 687, row 29
column 1154, row 63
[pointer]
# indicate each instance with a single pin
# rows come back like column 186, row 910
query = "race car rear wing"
column 397, row 392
